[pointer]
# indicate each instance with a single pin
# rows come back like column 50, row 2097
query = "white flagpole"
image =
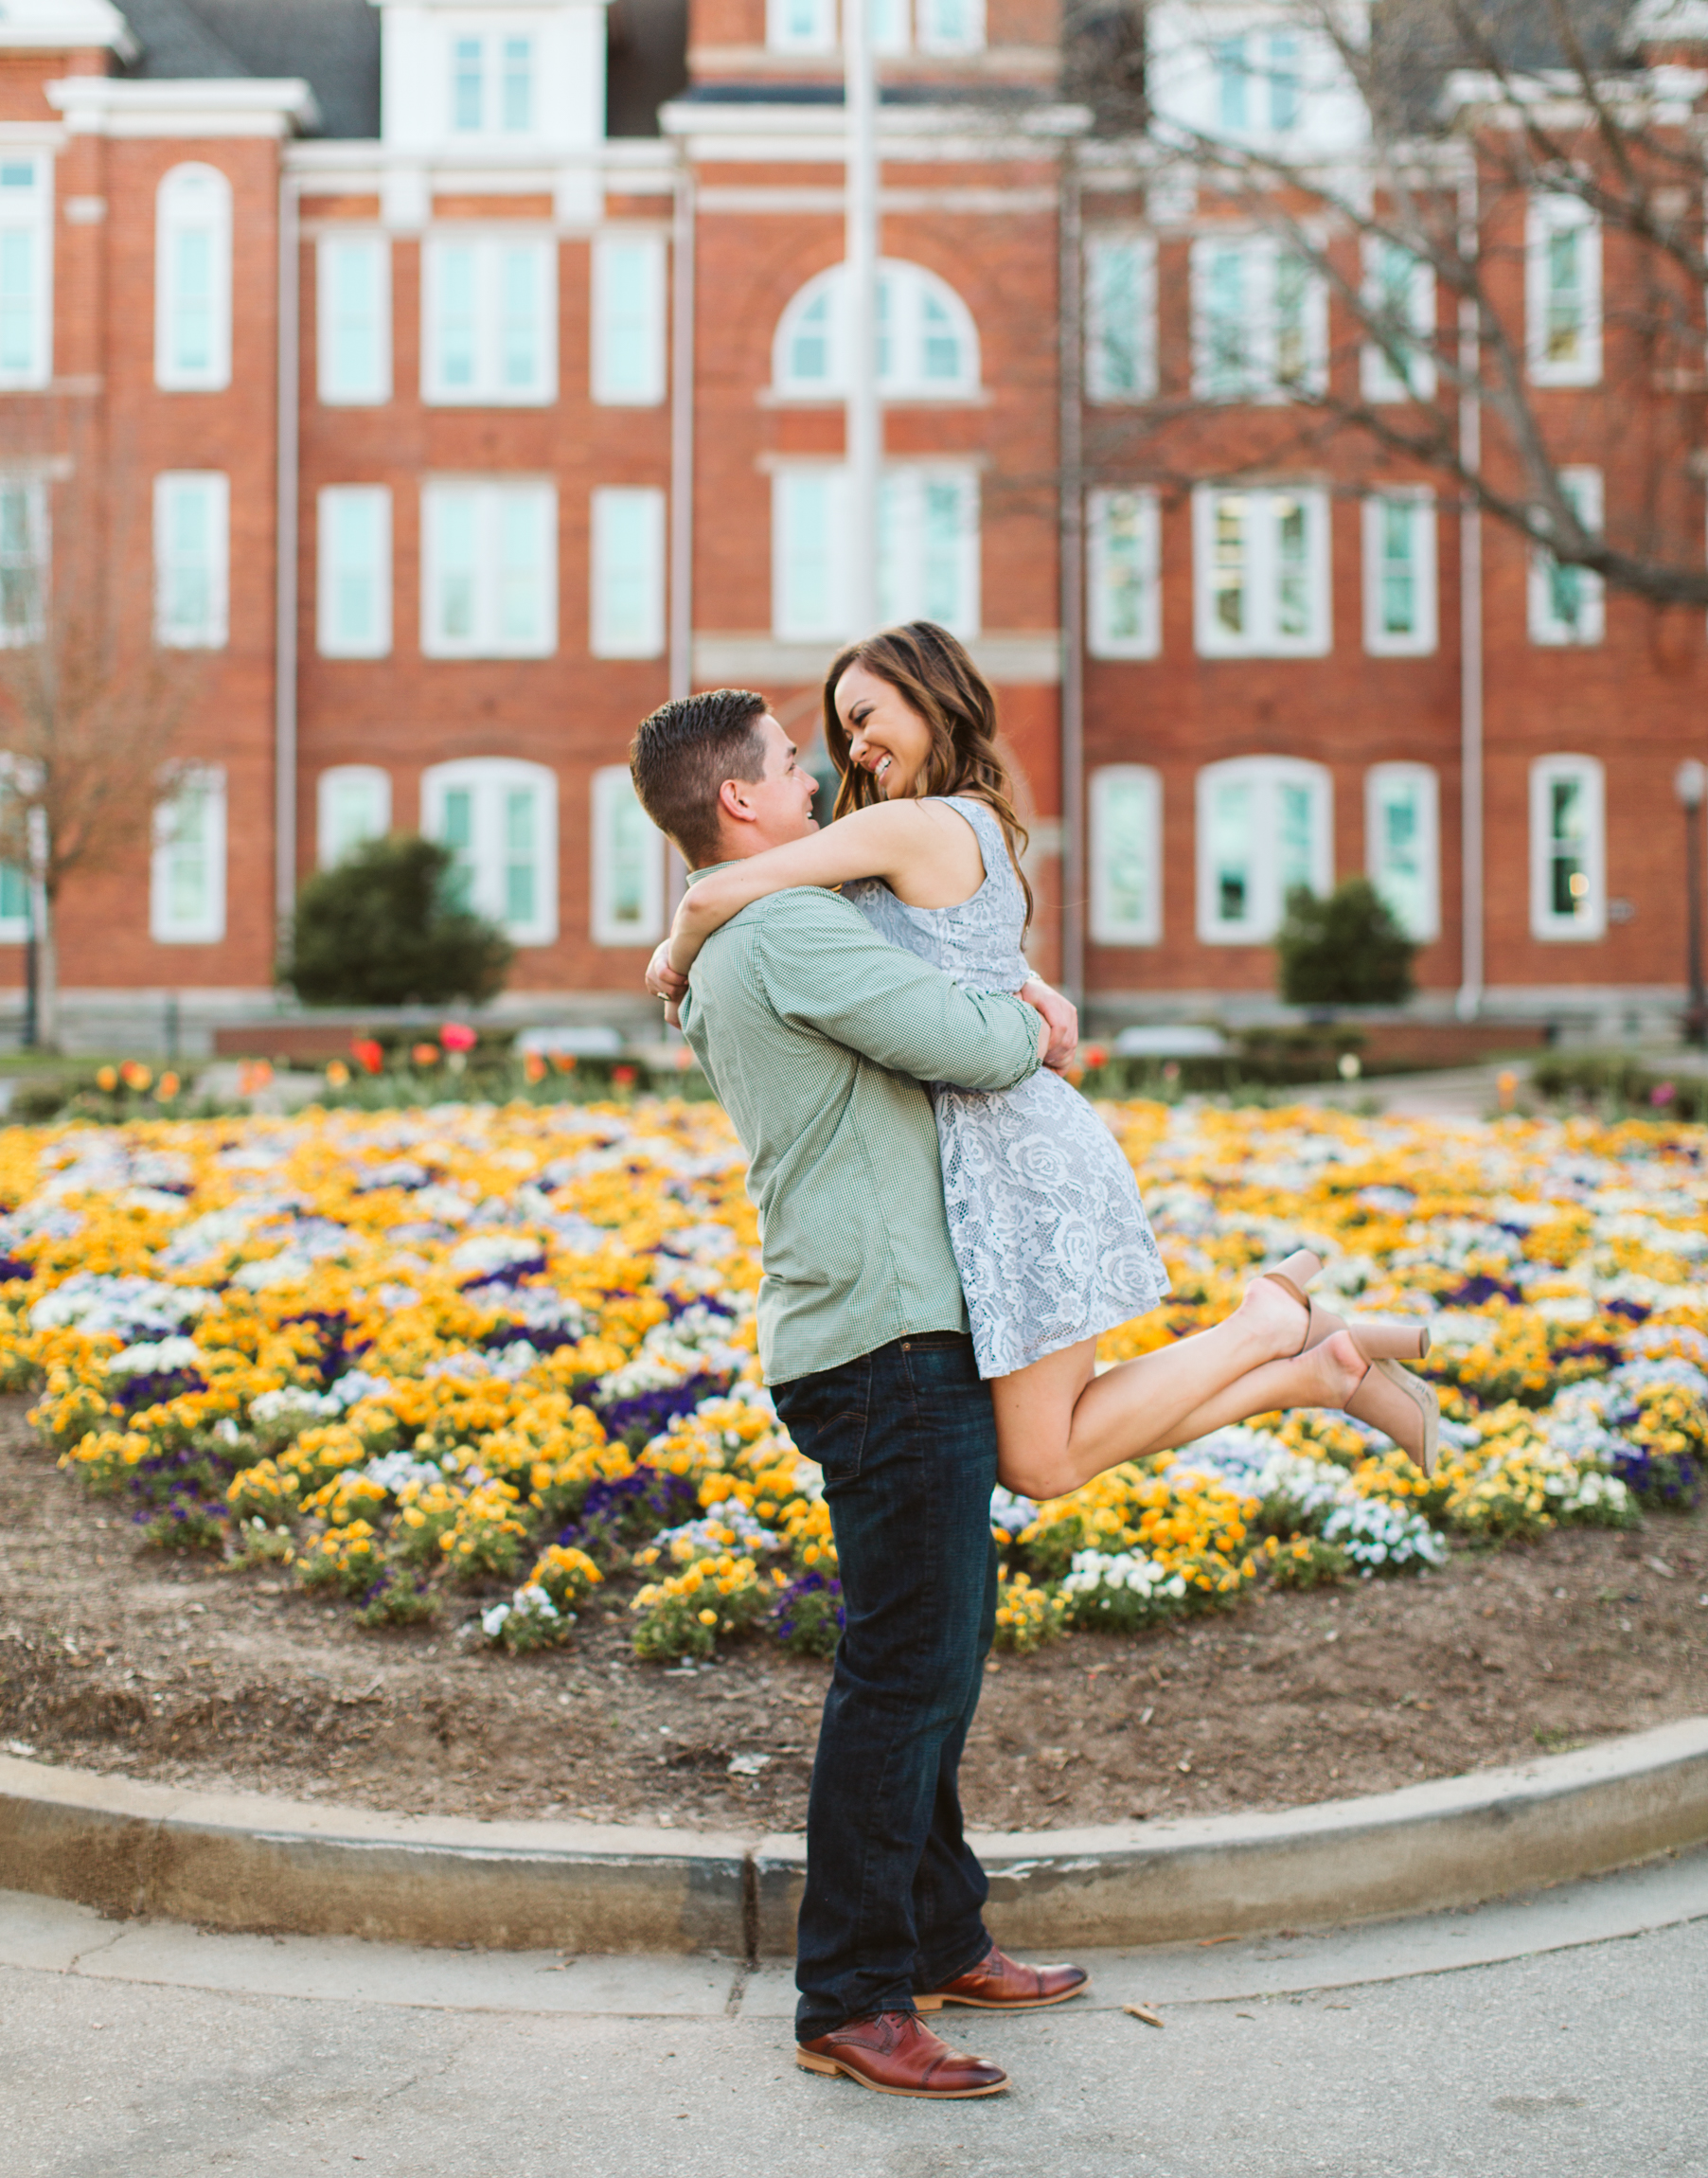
column 864, row 424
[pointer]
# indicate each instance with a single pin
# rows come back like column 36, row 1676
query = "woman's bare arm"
column 928, row 857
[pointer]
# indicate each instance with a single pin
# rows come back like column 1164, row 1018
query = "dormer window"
column 492, row 85
column 1259, row 90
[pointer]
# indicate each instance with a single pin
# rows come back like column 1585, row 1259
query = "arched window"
column 186, row 890
column 499, row 817
column 1402, row 844
column 192, row 280
column 1568, row 847
column 628, row 864
column 928, row 347
column 354, row 806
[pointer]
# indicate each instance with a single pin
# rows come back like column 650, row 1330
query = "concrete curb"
column 243, row 1862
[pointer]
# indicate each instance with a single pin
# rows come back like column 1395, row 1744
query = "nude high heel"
column 1378, row 1338
column 1403, row 1407
column 1292, row 1273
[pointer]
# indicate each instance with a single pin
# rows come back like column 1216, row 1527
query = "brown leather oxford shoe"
column 897, row 2054
column 999, row 1983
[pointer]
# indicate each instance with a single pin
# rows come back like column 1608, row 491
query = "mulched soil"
column 118, row 1659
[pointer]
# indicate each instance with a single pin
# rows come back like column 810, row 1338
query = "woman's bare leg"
column 1059, row 1423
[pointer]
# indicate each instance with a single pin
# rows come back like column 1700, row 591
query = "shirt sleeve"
column 823, row 968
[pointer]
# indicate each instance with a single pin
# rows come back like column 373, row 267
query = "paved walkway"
column 1556, row 2037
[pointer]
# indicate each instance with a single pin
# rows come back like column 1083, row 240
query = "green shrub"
column 1346, row 949
column 382, row 929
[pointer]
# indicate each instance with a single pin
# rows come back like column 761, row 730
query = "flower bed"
column 503, row 1358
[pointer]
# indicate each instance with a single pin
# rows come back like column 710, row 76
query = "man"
column 816, row 1036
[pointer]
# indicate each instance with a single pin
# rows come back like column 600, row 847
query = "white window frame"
column 1258, row 379
column 164, row 926
column 1135, row 511
column 1420, row 781
column 611, row 633
column 1587, row 773
column 1551, row 212
column 326, row 789
column 487, row 638
column 332, row 502
column 788, row 28
column 901, row 591
column 1108, row 925
column 930, row 38
column 492, row 125
column 1547, row 629
column 26, row 214
column 611, row 388
column 1120, row 263
column 1379, row 381
column 486, row 388
column 1380, row 641
column 333, row 390
column 1262, row 638
column 909, row 288
column 213, row 632
column 615, row 802
column 192, row 198
column 489, row 779
column 37, row 559
column 1266, row 776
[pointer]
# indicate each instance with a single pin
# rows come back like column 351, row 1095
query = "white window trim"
column 608, row 391
column 603, row 640
column 491, row 42
column 487, row 778
column 168, row 219
column 1548, row 213
column 326, row 790
column 1264, row 773
column 1379, row 381
column 38, row 223
column 489, row 391
column 1548, row 632
column 1262, row 386
column 1215, row 641
column 1099, row 243
column 788, row 628
column 1426, row 638
column 611, row 787
column 328, row 640
column 821, row 39
column 216, row 634
column 908, row 282
column 1104, row 928
column 971, row 41
column 1422, row 778
column 1099, row 642
column 39, row 518
column 377, row 241
column 484, row 642
column 1544, row 923
column 210, row 928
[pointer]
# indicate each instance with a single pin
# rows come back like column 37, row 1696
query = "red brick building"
column 462, row 381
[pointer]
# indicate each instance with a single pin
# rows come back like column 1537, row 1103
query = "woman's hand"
column 1062, row 1018
column 663, row 981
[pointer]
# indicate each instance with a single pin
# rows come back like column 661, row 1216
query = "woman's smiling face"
column 887, row 736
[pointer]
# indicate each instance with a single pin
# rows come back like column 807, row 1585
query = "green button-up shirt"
column 815, row 1036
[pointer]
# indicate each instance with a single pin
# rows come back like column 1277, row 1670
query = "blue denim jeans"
column 907, row 1442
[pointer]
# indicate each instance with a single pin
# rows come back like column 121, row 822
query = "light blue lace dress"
column 1049, row 1235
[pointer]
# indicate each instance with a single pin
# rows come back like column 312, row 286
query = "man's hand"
column 1061, row 1019
column 664, row 982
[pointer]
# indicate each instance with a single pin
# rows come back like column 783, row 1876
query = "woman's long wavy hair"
column 933, row 671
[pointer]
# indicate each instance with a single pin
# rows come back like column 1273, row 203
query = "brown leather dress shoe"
column 999, row 1983
column 897, row 2054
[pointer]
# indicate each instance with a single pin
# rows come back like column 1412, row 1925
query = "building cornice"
column 64, row 27
column 761, row 132
column 213, row 106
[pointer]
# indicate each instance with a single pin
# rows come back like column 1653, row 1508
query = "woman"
column 1049, row 1233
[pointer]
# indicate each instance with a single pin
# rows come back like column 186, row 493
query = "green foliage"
column 1346, row 949
column 380, row 929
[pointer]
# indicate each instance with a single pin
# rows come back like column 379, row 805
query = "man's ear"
column 732, row 801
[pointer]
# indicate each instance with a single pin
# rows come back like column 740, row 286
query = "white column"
column 865, row 423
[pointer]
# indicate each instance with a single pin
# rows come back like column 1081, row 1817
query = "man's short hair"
column 682, row 754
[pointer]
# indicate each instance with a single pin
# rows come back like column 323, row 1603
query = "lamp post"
column 863, row 419
column 1690, row 784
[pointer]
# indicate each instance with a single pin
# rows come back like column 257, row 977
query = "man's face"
column 777, row 806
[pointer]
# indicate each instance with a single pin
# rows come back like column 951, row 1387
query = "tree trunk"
column 47, row 973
